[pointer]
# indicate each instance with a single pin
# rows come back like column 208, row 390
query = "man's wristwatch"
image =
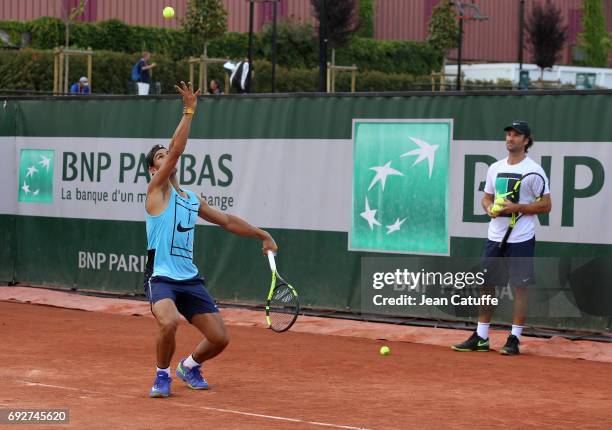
column 188, row 111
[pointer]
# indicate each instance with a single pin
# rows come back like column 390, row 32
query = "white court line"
column 37, row 384
column 228, row 411
column 273, row 417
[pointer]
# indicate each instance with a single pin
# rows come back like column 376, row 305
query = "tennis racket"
column 283, row 304
column 532, row 181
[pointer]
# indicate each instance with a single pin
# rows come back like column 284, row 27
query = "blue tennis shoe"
column 192, row 376
column 161, row 386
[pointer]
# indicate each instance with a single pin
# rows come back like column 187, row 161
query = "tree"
column 69, row 15
column 342, row 20
column 594, row 39
column 442, row 28
column 545, row 34
column 296, row 43
column 366, row 18
column 205, row 19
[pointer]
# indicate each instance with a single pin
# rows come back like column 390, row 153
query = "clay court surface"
column 100, row 366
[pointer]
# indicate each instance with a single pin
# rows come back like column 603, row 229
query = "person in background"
column 80, row 87
column 214, row 88
column 141, row 73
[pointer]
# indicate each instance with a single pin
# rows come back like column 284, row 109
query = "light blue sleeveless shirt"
column 171, row 235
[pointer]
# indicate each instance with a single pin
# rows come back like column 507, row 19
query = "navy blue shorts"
column 189, row 295
column 512, row 264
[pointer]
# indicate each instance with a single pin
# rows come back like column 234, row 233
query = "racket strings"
column 282, row 295
column 283, row 299
column 532, row 187
column 283, row 307
column 280, row 321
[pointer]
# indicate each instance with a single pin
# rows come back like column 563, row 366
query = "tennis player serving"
column 172, row 282
column 516, row 190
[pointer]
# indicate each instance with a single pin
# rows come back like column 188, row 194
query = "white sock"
column 517, row 330
column 483, row 330
column 166, row 371
column 190, row 363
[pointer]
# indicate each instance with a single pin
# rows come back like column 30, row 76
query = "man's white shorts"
column 143, row 89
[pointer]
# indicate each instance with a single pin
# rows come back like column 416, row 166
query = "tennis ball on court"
column 385, row 350
column 168, row 12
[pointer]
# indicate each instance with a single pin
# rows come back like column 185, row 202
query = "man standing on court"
column 512, row 263
column 172, row 282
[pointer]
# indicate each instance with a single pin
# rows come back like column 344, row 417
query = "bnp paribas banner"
column 400, row 186
column 290, row 184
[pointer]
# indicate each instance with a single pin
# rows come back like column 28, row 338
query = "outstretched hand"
column 190, row 99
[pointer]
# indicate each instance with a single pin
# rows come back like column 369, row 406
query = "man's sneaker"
column 474, row 343
column 161, row 386
column 511, row 347
column 192, row 376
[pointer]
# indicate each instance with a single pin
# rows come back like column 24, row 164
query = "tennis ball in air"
column 168, row 12
column 385, row 350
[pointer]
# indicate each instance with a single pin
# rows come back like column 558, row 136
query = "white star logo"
column 395, row 226
column 369, row 215
column 425, row 151
column 45, row 162
column 25, row 188
column 381, row 174
column 31, row 171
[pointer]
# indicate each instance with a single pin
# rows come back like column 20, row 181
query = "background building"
column 493, row 40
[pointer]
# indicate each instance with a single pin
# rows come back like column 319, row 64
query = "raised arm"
column 236, row 225
column 179, row 139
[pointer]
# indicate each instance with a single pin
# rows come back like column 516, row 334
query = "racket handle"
column 271, row 261
column 502, row 244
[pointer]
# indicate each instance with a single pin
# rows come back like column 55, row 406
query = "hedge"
column 297, row 44
column 30, row 69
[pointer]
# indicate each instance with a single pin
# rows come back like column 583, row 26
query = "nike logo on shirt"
column 182, row 229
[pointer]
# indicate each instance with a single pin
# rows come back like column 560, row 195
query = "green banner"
column 36, row 176
column 331, row 187
column 400, row 186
